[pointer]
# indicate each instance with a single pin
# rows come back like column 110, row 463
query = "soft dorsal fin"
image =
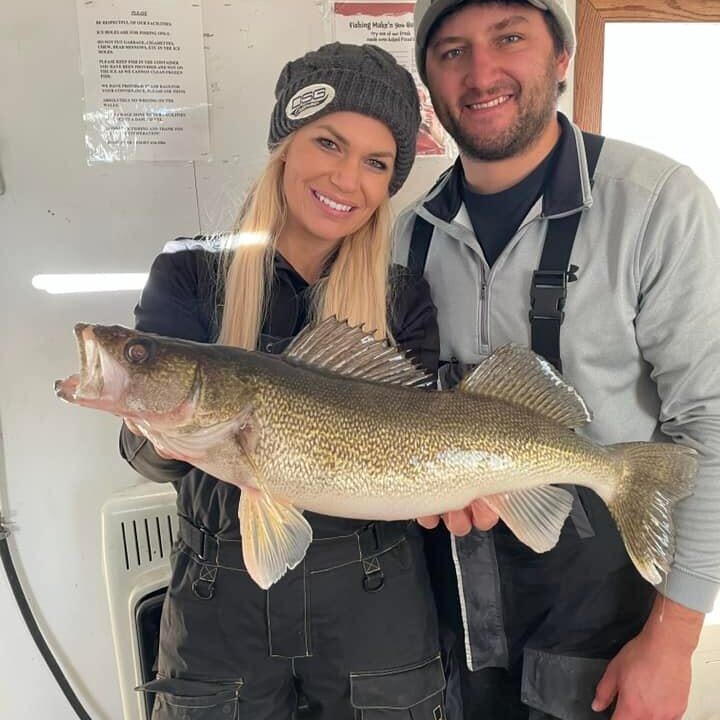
column 517, row 375
column 336, row 347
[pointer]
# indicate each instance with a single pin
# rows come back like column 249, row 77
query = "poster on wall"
column 143, row 67
column 390, row 25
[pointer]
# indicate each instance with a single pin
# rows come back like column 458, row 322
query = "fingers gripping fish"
column 344, row 425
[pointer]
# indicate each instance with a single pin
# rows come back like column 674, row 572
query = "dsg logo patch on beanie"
column 309, row 100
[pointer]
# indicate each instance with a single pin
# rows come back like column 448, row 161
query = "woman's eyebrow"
column 344, row 141
column 335, row 133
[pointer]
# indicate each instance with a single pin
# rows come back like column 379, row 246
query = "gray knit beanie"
column 349, row 78
column 428, row 14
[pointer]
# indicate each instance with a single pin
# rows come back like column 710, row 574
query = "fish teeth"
column 91, row 374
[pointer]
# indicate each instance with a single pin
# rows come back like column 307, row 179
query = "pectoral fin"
column 275, row 536
column 536, row 516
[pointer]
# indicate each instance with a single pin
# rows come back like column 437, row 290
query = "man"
column 630, row 311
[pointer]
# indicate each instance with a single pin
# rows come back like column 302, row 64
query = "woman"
column 352, row 629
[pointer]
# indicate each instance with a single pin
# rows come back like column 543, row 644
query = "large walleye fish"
column 344, row 425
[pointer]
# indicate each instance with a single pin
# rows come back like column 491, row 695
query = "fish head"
column 133, row 374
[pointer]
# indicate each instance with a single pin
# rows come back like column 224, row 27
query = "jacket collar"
column 281, row 265
column 283, row 269
column 567, row 191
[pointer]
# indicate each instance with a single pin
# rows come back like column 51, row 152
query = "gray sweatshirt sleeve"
column 678, row 331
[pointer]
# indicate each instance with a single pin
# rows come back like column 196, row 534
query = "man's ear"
column 561, row 65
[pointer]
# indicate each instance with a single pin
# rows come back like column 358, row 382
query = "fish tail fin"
column 654, row 477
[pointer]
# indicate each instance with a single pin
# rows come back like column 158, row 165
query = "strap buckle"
column 373, row 577
column 203, row 587
column 548, row 293
column 204, row 535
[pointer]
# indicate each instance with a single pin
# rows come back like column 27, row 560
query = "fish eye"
column 139, row 351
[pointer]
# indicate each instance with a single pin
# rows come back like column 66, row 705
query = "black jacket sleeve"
column 413, row 318
column 140, row 454
column 177, row 301
column 178, row 298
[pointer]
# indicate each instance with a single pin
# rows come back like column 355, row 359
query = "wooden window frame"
column 591, row 16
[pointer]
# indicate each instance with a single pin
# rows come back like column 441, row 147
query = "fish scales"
column 308, row 430
column 328, row 435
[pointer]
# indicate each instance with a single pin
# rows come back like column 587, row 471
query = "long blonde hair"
column 356, row 288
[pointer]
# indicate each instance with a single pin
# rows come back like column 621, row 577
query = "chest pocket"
column 413, row 692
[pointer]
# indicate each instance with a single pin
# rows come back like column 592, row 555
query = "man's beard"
column 537, row 108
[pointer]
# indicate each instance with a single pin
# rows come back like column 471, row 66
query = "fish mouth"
column 101, row 379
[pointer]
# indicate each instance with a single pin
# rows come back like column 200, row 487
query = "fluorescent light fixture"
column 89, row 282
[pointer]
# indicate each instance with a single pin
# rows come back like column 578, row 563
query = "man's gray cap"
column 428, row 12
column 349, row 78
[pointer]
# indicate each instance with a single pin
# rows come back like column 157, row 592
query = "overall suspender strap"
column 549, row 284
column 419, row 245
column 421, row 235
column 548, row 291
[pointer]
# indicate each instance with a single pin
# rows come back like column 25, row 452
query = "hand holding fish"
column 460, row 522
column 136, row 429
column 650, row 676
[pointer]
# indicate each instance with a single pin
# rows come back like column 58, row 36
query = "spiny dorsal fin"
column 517, row 375
column 338, row 348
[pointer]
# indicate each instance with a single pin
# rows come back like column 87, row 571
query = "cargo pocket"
column 177, row 699
column 561, row 686
column 414, row 692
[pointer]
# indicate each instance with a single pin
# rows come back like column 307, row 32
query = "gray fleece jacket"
column 641, row 335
